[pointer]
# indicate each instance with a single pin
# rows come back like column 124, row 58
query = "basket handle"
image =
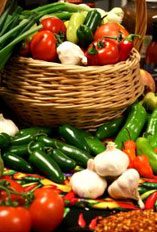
column 141, row 22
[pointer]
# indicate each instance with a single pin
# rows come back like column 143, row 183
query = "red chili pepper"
column 155, row 149
column 125, row 47
column 142, row 165
column 93, row 223
column 81, row 221
column 130, row 150
column 150, row 202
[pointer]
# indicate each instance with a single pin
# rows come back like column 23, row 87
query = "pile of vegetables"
column 110, row 161
column 66, row 33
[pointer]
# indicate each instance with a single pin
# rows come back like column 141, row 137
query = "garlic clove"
column 7, row 126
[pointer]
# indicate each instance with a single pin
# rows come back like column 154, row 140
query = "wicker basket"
column 46, row 93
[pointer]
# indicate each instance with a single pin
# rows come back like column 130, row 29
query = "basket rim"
column 134, row 57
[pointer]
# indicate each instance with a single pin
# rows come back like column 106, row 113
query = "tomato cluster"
column 43, row 44
column 44, row 213
column 109, row 44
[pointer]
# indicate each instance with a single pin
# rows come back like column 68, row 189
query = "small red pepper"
column 130, row 150
column 150, row 202
column 81, row 221
column 93, row 223
column 125, row 47
column 142, row 165
column 155, row 149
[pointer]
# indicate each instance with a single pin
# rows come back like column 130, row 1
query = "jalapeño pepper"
column 133, row 125
column 46, row 165
column 5, row 140
column 17, row 163
column 73, row 136
column 109, row 128
column 81, row 157
column 64, row 162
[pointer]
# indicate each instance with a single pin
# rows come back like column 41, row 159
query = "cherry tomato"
column 43, row 46
column 112, row 29
column 14, row 219
column 102, row 52
column 46, row 210
column 54, row 25
column 14, row 197
column 25, row 49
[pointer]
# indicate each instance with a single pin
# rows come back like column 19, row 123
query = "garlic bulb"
column 7, row 126
column 126, row 186
column 88, row 184
column 114, row 15
column 111, row 162
column 70, row 53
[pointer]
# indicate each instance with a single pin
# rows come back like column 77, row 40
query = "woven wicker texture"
column 46, row 93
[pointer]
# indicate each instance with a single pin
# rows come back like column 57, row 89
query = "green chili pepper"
column 152, row 124
column 73, row 136
column 21, row 150
column 64, row 162
column 46, row 165
column 17, row 163
column 147, row 194
column 144, row 147
column 133, row 125
column 86, row 30
column 35, row 130
column 22, row 139
column 152, row 140
column 109, row 128
column 95, row 145
column 149, row 185
column 150, row 101
column 5, row 140
column 30, row 179
column 142, row 190
column 81, row 157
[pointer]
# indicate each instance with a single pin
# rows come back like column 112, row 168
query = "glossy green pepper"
column 133, row 126
column 86, row 30
column 109, row 128
column 73, row 136
column 46, row 165
column 150, row 101
column 80, row 156
column 5, row 140
column 152, row 124
column 16, row 162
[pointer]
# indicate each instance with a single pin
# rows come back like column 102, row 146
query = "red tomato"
column 25, row 49
column 54, row 25
column 46, row 210
column 112, row 29
column 103, row 52
column 43, row 46
column 14, row 219
column 15, row 187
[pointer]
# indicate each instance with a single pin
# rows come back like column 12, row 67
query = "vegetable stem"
column 11, row 45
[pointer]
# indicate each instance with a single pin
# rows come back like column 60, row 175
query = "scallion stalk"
column 7, row 50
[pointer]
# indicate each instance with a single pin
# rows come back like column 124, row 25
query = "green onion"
column 7, row 50
column 4, row 38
